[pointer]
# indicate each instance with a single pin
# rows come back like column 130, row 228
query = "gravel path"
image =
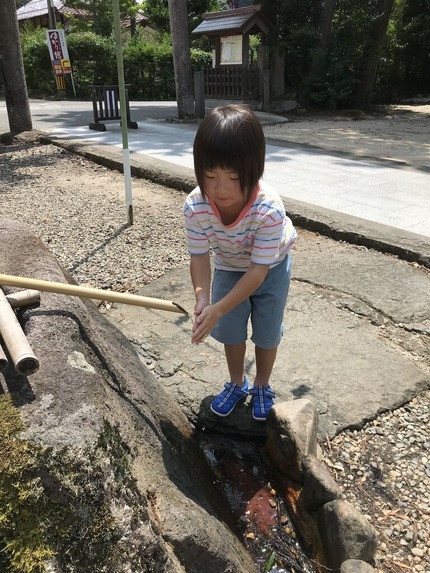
column 384, row 471
column 78, row 209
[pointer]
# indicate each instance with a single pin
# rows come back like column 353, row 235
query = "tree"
column 326, row 22
column 18, row 107
column 181, row 58
column 158, row 12
column 374, row 48
column 101, row 15
column 413, row 46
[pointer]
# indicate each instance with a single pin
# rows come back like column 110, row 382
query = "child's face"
column 223, row 187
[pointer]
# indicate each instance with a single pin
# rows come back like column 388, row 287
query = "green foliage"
column 200, row 59
column 148, row 66
column 20, row 491
column 326, row 77
column 149, row 71
column 158, row 12
column 334, row 75
column 332, row 85
column 57, row 503
column 93, row 61
column 330, row 77
column 37, row 63
column 413, row 47
column 100, row 20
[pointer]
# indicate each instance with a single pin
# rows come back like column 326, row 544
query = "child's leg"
column 262, row 394
column 264, row 361
column 236, row 390
column 235, row 356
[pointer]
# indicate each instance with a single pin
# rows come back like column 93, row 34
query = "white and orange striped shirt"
column 262, row 233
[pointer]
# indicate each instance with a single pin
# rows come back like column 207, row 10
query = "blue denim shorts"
column 265, row 307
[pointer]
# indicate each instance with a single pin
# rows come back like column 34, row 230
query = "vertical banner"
column 58, row 51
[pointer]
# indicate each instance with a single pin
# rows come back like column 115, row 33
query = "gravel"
column 77, row 208
column 384, row 471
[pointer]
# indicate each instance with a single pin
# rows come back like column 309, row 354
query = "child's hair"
column 231, row 137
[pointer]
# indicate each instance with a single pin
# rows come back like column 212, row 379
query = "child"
column 243, row 222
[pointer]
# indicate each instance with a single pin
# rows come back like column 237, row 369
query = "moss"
column 58, row 503
column 22, row 540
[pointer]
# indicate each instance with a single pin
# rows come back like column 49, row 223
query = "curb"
column 407, row 246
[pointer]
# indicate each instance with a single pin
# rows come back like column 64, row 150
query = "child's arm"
column 211, row 313
column 200, row 270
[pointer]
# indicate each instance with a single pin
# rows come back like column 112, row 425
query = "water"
column 261, row 514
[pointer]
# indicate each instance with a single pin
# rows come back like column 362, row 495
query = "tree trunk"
column 18, row 108
column 181, row 58
column 376, row 42
column 326, row 22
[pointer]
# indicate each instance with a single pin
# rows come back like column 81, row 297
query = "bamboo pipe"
column 4, row 362
column 23, row 298
column 87, row 292
column 24, row 361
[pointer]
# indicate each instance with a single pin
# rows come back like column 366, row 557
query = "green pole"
column 122, row 101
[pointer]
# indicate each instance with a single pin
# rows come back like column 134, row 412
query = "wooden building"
column 235, row 72
column 35, row 13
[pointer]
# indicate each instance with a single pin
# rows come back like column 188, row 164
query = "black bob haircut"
column 231, row 137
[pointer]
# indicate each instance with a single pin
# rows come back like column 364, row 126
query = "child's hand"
column 206, row 318
column 199, row 306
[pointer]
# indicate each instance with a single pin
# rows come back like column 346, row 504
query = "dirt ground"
column 398, row 133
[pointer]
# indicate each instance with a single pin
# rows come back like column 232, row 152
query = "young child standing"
column 243, row 222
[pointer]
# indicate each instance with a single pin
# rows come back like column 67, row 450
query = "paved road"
column 366, row 189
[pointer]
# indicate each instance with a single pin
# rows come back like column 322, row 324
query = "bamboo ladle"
column 94, row 293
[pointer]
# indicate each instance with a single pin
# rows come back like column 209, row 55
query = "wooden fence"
column 232, row 82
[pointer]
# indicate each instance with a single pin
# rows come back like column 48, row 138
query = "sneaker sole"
column 258, row 419
column 228, row 413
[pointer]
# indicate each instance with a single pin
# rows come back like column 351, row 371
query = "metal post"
column 51, row 15
column 122, row 99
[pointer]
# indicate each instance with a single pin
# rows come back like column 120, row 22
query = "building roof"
column 37, row 8
column 141, row 20
column 237, row 21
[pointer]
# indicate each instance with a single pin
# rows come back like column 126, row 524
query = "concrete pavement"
column 366, row 189
column 342, row 186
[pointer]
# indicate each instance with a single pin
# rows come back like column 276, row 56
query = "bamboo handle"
column 87, row 292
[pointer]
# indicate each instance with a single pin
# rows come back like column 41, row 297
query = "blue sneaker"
column 224, row 403
column 262, row 401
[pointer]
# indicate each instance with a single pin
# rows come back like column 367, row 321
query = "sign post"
column 59, row 57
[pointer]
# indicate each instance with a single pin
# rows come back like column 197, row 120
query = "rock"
column 345, row 534
column 319, row 486
column 356, row 566
column 117, row 471
column 292, row 434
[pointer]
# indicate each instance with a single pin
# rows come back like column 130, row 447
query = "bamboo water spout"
column 24, row 361
column 93, row 293
column 23, row 298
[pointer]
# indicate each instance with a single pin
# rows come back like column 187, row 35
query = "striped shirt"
column 261, row 234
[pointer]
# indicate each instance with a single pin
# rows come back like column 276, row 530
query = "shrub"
column 93, row 61
column 37, row 63
column 148, row 67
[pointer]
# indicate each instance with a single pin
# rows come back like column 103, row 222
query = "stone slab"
column 346, row 347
